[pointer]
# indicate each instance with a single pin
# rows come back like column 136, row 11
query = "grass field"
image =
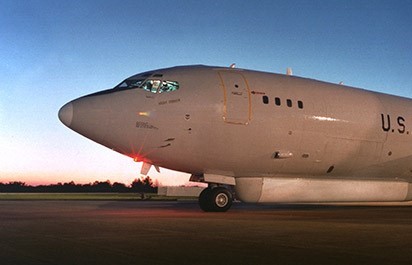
column 89, row 196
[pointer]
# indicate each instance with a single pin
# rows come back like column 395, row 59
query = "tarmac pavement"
column 145, row 232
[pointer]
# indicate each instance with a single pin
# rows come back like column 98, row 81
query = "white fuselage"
column 279, row 137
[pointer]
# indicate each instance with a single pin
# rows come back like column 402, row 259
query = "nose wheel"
column 217, row 199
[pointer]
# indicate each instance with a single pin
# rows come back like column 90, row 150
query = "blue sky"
column 54, row 51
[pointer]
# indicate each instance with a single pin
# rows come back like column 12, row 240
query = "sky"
column 52, row 52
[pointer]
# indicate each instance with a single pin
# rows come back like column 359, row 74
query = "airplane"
column 272, row 138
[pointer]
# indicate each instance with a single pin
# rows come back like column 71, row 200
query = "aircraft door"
column 237, row 101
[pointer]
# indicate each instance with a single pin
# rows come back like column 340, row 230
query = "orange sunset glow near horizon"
column 51, row 166
column 109, row 166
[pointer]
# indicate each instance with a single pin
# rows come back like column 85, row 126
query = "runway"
column 130, row 232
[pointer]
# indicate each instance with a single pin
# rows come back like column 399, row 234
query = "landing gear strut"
column 218, row 199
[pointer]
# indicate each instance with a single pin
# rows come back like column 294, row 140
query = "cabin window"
column 289, row 103
column 265, row 99
column 300, row 104
column 277, row 101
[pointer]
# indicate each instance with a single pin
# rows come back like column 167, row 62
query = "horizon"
column 127, row 184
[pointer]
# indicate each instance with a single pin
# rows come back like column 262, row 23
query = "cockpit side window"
column 151, row 85
column 169, row 86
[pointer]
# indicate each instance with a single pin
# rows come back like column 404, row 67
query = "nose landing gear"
column 218, row 199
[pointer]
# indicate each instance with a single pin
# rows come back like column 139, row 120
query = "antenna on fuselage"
column 233, row 65
column 289, row 71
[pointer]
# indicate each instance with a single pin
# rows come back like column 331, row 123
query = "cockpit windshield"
column 130, row 83
column 151, row 85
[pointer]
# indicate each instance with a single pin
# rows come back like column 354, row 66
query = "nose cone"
column 88, row 116
column 66, row 114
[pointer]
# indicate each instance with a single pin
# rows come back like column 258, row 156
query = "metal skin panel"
column 340, row 133
column 409, row 196
column 296, row 190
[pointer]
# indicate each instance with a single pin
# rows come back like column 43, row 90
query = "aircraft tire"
column 220, row 199
column 204, row 201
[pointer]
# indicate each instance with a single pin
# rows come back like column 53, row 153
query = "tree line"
column 145, row 185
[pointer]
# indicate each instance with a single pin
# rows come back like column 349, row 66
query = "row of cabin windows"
column 278, row 102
